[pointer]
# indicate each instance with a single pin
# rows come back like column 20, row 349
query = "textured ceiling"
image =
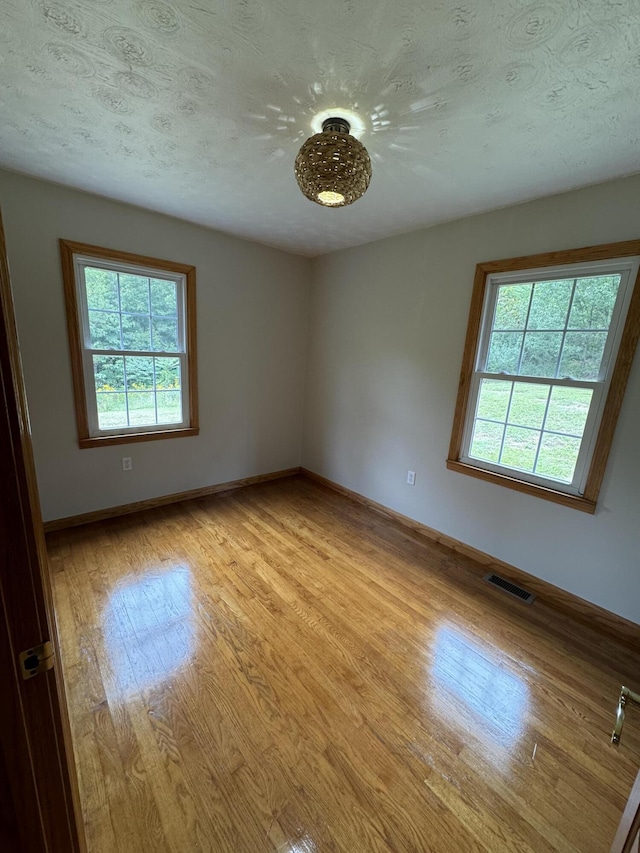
column 197, row 108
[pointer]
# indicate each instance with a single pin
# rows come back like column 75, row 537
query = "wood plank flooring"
column 280, row 669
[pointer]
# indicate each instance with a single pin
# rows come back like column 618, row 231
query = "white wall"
column 252, row 308
column 388, row 322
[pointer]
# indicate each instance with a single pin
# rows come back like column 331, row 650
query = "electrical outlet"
column 411, row 478
column 126, row 463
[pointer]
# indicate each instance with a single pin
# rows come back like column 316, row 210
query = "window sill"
column 572, row 501
column 130, row 438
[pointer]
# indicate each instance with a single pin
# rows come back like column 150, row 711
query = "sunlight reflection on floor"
column 148, row 628
column 476, row 692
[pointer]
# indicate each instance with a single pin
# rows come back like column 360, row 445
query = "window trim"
column 586, row 502
column 627, row 268
column 70, row 251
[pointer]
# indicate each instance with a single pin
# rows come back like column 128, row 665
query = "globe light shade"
column 333, row 168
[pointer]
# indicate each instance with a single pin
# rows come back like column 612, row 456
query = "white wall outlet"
column 411, row 478
column 126, row 463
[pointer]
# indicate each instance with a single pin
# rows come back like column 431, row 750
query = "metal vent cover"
column 510, row 588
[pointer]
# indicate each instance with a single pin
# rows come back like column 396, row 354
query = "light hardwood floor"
column 280, row 669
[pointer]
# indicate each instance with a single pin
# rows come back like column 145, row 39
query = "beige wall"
column 252, row 304
column 387, row 329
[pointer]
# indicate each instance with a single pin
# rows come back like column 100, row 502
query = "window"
column 549, row 347
column 132, row 336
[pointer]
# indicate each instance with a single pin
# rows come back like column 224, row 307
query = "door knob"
column 626, row 695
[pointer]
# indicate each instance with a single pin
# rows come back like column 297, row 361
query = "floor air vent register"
column 510, row 588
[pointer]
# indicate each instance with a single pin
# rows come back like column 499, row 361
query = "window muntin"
column 133, row 329
column 132, row 338
column 546, row 359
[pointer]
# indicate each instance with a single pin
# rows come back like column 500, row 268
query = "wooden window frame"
column 587, row 501
column 68, row 250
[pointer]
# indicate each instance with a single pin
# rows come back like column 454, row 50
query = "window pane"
column 528, row 404
column 169, row 407
column 512, row 305
column 134, row 293
column 520, row 447
column 139, row 373
column 540, row 353
column 493, row 400
column 167, row 373
column 582, row 355
column 568, row 410
column 135, row 332
column 165, row 334
column 108, row 371
column 164, row 297
column 104, row 330
column 504, row 352
column 550, row 304
column 142, row 408
column 112, row 410
column 593, row 302
column 102, row 288
column 487, row 438
column 558, row 456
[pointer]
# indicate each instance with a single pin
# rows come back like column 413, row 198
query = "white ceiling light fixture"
column 333, row 168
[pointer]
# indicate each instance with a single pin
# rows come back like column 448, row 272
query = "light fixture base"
column 357, row 125
column 335, row 124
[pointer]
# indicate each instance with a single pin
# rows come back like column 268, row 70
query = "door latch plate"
column 36, row 660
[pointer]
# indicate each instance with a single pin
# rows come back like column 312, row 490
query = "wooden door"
column 38, row 786
column 627, row 837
